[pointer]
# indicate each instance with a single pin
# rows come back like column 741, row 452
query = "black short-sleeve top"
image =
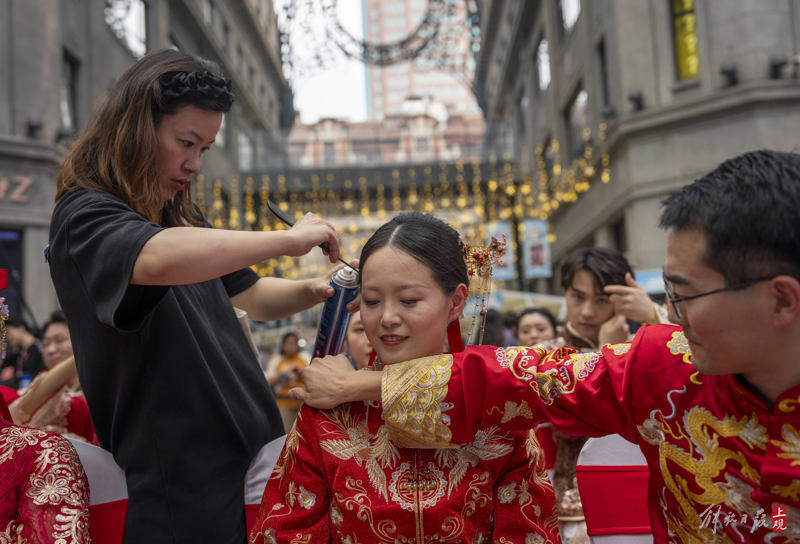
column 173, row 387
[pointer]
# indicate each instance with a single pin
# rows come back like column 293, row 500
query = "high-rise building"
column 388, row 87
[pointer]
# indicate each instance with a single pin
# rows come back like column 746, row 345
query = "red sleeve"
column 78, row 419
column 296, row 500
column 524, row 503
column 444, row 401
column 583, row 394
column 9, row 393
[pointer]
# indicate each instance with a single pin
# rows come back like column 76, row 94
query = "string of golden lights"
column 465, row 194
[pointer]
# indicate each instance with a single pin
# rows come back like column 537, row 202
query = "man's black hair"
column 606, row 265
column 749, row 208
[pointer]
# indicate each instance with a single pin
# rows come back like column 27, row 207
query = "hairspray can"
column 335, row 317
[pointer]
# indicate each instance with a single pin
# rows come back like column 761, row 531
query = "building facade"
column 388, row 87
column 423, row 132
column 58, row 59
column 608, row 107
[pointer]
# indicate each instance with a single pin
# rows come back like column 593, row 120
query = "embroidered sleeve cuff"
column 413, row 396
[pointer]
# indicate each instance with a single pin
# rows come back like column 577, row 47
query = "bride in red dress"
column 340, row 478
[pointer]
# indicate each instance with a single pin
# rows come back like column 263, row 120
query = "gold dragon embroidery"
column 791, row 444
column 704, row 458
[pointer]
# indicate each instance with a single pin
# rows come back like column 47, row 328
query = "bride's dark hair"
column 429, row 240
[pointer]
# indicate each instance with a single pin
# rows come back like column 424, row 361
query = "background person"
column 339, row 478
column 26, row 354
column 493, row 329
column 593, row 320
column 584, row 274
column 535, row 325
column 357, row 346
column 510, row 332
column 148, row 288
column 55, row 401
column 283, row 373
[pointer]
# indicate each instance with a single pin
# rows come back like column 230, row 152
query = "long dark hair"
column 115, row 151
column 429, row 240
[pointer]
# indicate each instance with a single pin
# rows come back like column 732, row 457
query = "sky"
column 338, row 91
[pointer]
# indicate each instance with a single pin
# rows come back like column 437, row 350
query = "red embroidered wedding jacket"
column 724, row 467
column 340, row 479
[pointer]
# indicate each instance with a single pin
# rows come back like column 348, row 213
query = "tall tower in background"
column 387, row 87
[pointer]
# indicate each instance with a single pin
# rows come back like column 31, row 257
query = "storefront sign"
column 15, row 189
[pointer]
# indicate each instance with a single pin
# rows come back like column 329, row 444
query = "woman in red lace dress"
column 44, row 495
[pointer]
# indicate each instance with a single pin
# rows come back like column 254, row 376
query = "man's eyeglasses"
column 673, row 300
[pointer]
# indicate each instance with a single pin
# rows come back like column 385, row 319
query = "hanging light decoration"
column 357, row 201
column 307, row 28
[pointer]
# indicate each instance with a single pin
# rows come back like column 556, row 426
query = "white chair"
column 612, row 480
column 108, row 493
column 257, row 475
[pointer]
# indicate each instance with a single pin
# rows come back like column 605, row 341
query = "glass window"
column 246, row 152
column 570, row 10
column 543, row 64
column 11, row 250
column 208, row 13
column 219, row 140
column 394, row 7
column 687, row 60
column 67, row 94
column 603, row 65
column 127, row 19
column 522, row 114
column 225, row 32
column 329, row 150
column 551, row 166
column 239, row 58
column 577, row 123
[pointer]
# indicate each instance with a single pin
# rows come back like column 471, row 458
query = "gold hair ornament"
column 479, row 263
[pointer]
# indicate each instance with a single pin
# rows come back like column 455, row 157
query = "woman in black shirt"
column 173, row 387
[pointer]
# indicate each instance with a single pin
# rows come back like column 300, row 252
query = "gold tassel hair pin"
column 480, row 262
